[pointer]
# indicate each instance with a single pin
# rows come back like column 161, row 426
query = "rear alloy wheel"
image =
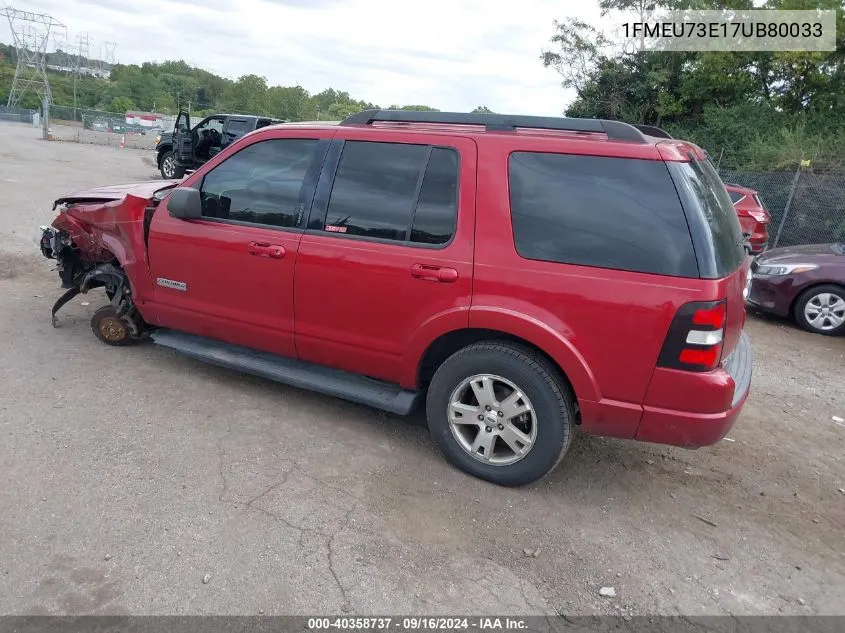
column 822, row 310
column 499, row 412
column 108, row 327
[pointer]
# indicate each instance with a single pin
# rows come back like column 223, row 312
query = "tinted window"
column 736, row 196
column 375, row 189
column 598, row 211
column 437, row 208
column 236, row 128
column 720, row 217
column 260, row 184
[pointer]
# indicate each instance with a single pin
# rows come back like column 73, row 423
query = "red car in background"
column 753, row 217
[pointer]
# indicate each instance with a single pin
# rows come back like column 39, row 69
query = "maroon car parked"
column 804, row 282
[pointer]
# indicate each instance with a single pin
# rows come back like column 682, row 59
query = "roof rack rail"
column 651, row 130
column 615, row 130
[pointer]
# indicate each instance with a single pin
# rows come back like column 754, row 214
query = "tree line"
column 754, row 111
column 172, row 85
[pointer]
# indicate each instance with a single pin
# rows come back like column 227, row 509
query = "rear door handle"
column 264, row 249
column 427, row 272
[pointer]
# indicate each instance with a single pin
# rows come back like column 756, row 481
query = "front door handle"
column 264, row 249
column 428, row 272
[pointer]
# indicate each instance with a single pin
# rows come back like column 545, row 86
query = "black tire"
column 806, row 297
column 168, row 168
column 107, row 327
column 552, row 402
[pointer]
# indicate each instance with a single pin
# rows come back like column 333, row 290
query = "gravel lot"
column 131, row 474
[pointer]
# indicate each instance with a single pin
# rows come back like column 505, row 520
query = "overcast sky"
column 449, row 54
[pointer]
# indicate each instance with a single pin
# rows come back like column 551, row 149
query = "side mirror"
column 185, row 203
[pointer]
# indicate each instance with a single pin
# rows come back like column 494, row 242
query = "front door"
column 386, row 257
column 182, row 140
column 229, row 275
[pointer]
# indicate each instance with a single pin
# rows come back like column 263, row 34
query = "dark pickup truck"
column 186, row 148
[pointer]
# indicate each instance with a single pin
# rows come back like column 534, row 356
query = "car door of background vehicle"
column 229, row 276
column 233, row 129
column 388, row 253
column 182, row 139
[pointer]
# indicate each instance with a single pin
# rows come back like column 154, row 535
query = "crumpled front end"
column 99, row 241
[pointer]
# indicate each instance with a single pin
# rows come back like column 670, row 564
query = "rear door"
column 235, row 128
column 229, row 275
column 182, row 141
column 387, row 256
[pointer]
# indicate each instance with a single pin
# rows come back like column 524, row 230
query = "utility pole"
column 45, row 131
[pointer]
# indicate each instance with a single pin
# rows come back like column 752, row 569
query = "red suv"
column 753, row 216
column 519, row 275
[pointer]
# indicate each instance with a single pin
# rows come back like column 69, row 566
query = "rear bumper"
column 694, row 429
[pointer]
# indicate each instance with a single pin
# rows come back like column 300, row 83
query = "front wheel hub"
column 112, row 329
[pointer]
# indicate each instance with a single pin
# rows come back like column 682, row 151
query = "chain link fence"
column 99, row 127
column 807, row 204
column 19, row 115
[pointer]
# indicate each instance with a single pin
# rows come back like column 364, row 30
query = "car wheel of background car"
column 168, row 168
column 500, row 412
column 108, row 327
column 821, row 309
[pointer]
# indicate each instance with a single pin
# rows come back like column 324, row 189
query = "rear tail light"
column 760, row 216
column 695, row 337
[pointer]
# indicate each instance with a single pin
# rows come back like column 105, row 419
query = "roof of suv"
column 631, row 141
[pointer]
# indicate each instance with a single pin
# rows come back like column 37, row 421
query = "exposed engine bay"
column 91, row 242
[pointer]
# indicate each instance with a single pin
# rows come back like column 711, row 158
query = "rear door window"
column 598, row 211
column 400, row 192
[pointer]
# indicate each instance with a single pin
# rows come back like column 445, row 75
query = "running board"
column 296, row 373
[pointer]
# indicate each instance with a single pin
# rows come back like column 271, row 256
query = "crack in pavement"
column 221, row 454
column 271, row 488
column 308, row 475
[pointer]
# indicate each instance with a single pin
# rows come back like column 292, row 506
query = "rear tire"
column 821, row 309
column 108, row 327
column 491, row 441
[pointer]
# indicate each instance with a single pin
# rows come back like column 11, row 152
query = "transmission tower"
column 31, row 33
column 62, row 47
column 83, row 54
column 107, row 57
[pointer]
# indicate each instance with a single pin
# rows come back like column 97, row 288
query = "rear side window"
column 736, row 196
column 714, row 205
column 394, row 191
column 597, row 211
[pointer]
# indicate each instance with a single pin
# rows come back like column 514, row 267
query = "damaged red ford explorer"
column 518, row 275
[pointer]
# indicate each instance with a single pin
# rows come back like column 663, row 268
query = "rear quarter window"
column 736, row 196
column 714, row 217
column 599, row 211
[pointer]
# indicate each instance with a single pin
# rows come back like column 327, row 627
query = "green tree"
column 248, row 95
column 482, row 110
column 291, row 103
column 121, row 105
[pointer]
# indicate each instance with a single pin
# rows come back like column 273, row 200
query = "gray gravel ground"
column 131, row 474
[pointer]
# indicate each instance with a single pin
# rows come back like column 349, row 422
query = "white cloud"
column 450, row 54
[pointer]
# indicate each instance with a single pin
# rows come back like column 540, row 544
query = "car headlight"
column 778, row 270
